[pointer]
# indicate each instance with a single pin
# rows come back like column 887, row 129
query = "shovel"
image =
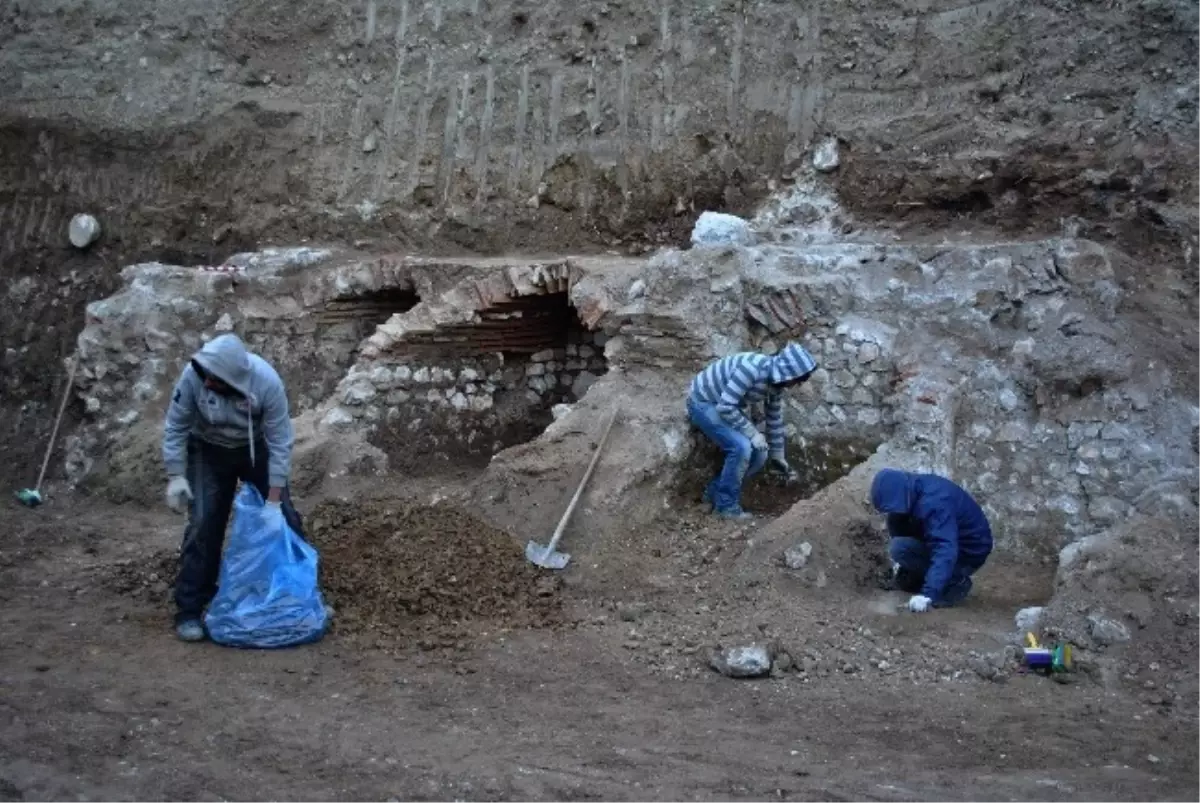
column 32, row 497
column 546, row 556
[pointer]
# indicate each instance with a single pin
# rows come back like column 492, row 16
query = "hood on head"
column 892, row 491
column 226, row 358
column 792, row 362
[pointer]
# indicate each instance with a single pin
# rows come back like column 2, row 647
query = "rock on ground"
column 748, row 661
column 717, row 228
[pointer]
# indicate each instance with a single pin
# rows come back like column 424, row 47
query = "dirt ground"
column 612, row 699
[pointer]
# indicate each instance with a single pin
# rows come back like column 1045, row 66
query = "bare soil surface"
column 613, row 701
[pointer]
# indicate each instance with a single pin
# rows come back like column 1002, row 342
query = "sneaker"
column 190, row 630
column 734, row 514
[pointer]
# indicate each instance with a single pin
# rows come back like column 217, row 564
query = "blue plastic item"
column 267, row 593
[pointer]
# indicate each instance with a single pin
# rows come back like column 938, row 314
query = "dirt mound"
column 1136, row 582
column 1127, row 597
column 429, row 575
column 150, row 578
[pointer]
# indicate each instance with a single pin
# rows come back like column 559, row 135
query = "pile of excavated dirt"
column 1137, row 581
column 149, row 579
column 431, row 575
column 1127, row 599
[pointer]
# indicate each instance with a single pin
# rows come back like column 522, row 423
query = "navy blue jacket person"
column 940, row 536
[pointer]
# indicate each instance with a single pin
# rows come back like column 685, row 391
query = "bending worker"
column 228, row 421
column 717, row 405
column 939, row 536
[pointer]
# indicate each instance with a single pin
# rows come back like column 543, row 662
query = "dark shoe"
column 190, row 630
column 956, row 593
column 734, row 514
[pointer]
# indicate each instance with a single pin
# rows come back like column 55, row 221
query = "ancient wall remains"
column 1005, row 366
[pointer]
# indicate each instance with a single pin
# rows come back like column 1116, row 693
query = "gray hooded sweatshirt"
column 259, row 414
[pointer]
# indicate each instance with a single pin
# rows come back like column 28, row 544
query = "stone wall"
column 310, row 313
column 563, row 376
column 1007, row 367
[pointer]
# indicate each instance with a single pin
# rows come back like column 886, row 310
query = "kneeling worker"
column 939, row 536
column 228, row 421
column 716, row 405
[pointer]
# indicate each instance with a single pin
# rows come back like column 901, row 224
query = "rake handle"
column 54, row 433
column 587, row 475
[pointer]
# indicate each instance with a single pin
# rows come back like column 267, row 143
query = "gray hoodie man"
column 228, row 421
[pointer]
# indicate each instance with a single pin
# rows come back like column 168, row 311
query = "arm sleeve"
column 180, row 414
column 775, row 429
column 277, row 427
column 729, row 407
column 941, row 533
column 900, row 525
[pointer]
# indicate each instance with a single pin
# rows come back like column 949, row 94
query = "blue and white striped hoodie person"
column 735, row 382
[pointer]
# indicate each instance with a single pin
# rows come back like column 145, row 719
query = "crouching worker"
column 939, row 536
column 228, row 421
column 718, row 405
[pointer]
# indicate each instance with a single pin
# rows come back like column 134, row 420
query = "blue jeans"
column 914, row 558
column 741, row 459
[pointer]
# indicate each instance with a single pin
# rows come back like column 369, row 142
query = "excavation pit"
column 819, row 462
column 460, row 393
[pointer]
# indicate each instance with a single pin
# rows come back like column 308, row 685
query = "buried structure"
column 1023, row 371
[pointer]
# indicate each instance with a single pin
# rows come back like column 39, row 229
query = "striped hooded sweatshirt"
column 733, row 383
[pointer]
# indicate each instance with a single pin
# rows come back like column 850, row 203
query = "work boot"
column 190, row 630
column 955, row 593
column 734, row 514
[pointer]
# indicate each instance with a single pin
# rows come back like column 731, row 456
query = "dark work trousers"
column 213, row 472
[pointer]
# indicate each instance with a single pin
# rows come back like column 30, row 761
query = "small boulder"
column 1027, row 619
column 749, row 661
column 718, row 228
column 825, row 158
column 1106, row 631
column 83, row 231
column 796, row 557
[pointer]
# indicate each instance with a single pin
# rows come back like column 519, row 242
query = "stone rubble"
column 1028, row 619
column 796, row 557
column 825, row 157
column 749, row 661
column 718, row 228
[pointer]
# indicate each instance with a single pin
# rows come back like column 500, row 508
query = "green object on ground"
column 29, row 497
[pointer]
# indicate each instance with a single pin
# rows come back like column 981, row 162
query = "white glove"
column 919, row 604
column 179, row 493
column 759, row 442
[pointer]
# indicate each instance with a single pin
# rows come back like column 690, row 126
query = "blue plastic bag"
column 267, row 593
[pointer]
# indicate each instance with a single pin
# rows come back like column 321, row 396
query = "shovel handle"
column 62, row 407
column 562, row 523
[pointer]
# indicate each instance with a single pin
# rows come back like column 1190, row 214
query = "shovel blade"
column 539, row 555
